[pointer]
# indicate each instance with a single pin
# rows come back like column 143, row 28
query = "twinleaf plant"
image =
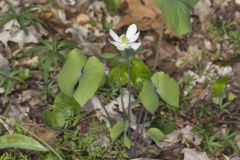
column 78, row 81
column 152, row 89
column 82, row 76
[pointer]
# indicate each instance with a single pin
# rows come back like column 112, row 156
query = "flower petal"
column 119, row 46
column 134, row 38
column 131, row 31
column 114, row 36
column 135, row 46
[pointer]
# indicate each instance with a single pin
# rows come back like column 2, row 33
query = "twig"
column 158, row 47
column 108, row 116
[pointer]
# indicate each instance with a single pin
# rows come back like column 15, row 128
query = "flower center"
column 124, row 39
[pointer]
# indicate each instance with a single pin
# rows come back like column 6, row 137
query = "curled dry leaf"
column 29, row 63
column 237, row 2
column 11, row 32
column 83, row 18
column 80, row 34
column 150, row 20
column 113, row 108
column 45, row 134
column 184, row 135
column 189, row 135
column 74, row 6
column 193, row 154
column 203, row 9
column 67, row 2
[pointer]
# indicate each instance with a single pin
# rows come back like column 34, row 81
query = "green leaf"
column 127, row 141
column 49, row 156
column 219, row 86
column 54, row 118
column 123, row 74
column 113, row 4
column 190, row 3
column 165, row 125
column 156, row 135
column 20, row 141
column 117, row 130
column 69, row 75
column 167, row 88
column 139, row 73
column 67, row 102
column 91, row 78
column 176, row 14
column 149, row 97
column 80, row 77
column 108, row 55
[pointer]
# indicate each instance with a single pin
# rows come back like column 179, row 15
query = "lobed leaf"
column 149, row 97
column 167, row 88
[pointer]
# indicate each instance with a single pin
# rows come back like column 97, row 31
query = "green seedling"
column 25, row 17
column 7, row 80
column 219, row 94
column 55, row 54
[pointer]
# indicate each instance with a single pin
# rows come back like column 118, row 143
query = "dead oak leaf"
column 145, row 14
column 45, row 134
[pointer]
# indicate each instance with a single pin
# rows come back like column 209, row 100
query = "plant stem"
column 143, row 125
column 158, row 47
column 129, row 90
column 108, row 116
column 120, row 90
column 134, row 148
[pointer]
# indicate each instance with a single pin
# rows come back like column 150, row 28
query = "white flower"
column 126, row 41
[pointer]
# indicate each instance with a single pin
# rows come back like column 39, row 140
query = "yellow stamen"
column 124, row 39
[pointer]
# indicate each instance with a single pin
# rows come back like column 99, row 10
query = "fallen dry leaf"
column 4, row 65
column 83, row 18
column 11, row 32
column 203, row 9
column 150, row 20
column 193, row 154
column 113, row 108
column 184, row 135
column 45, row 134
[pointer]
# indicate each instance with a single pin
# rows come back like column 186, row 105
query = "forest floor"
column 200, row 61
